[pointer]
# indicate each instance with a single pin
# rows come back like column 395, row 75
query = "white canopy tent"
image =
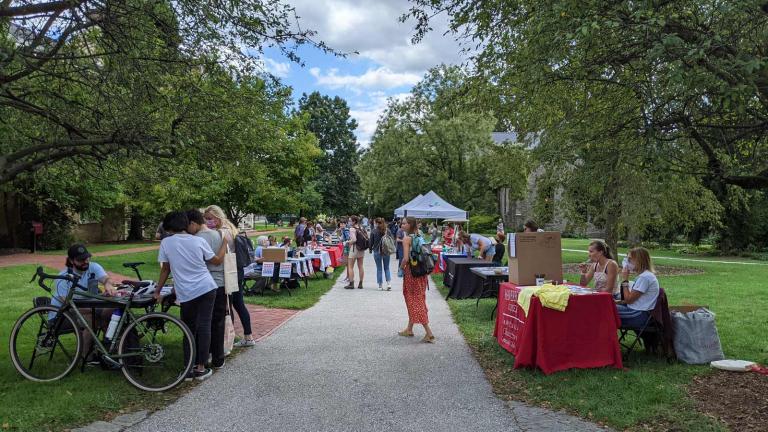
column 432, row 206
column 400, row 211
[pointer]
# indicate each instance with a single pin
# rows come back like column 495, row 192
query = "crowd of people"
column 194, row 242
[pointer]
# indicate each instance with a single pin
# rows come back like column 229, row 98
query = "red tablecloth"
column 335, row 253
column 437, row 252
column 583, row 336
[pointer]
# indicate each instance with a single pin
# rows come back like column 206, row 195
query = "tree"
column 685, row 82
column 86, row 79
column 249, row 157
column 439, row 138
column 337, row 181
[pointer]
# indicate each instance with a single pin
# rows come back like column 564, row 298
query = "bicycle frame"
column 70, row 305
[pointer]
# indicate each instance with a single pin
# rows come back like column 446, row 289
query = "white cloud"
column 380, row 78
column 367, row 114
column 276, row 68
column 371, row 28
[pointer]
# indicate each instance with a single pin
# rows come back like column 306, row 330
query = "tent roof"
column 399, row 212
column 431, row 205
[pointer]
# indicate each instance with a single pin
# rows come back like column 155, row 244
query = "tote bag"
column 230, row 270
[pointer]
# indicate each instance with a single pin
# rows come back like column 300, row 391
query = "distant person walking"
column 358, row 244
column 380, row 255
column 298, row 232
column 414, row 288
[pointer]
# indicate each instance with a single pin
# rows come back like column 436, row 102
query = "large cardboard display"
column 536, row 253
column 275, row 254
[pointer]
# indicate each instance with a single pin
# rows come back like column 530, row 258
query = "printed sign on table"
column 285, row 270
column 510, row 319
column 268, row 269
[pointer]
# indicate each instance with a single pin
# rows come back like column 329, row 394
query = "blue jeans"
column 632, row 318
column 381, row 261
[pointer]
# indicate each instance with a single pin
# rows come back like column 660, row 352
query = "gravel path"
column 340, row 366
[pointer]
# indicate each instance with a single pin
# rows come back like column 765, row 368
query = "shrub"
column 483, row 223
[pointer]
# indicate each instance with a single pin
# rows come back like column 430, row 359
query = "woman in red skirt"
column 414, row 288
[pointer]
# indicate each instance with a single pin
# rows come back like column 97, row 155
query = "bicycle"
column 155, row 351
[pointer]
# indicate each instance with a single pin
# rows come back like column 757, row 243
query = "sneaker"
column 242, row 343
column 218, row 366
column 381, row 287
column 93, row 360
column 190, row 376
column 389, row 286
column 202, row 375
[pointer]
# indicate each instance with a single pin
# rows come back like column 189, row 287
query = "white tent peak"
column 432, row 206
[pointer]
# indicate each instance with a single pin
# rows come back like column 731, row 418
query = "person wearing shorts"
column 356, row 255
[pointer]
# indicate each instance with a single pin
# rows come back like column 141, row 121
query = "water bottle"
column 113, row 324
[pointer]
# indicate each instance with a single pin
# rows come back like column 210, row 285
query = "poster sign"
column 285, row 270
column 268, row 269
column 511, row 246
column 510, row 319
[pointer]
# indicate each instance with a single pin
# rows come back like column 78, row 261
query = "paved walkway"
column 341, row 366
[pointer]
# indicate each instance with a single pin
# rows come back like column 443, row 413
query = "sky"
column 387, row 64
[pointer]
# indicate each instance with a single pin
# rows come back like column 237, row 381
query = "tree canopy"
column 642, row 94
column 336, row 180
column 86, row 79
column 439, row 138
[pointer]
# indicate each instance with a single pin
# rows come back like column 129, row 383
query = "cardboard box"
column 535, row 253
column 274, row 254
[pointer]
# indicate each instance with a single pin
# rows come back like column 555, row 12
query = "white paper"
column 285, row 270
column 511, row 247
column 268, row 269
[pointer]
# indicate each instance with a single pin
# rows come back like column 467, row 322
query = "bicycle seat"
column 137, row 284
column 133, row 264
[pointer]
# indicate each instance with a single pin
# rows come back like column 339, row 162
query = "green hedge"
column 483, row 223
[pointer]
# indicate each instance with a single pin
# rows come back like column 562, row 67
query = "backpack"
column 387, row 244
column 244, row 252
column 361, row 239
column 422, row 263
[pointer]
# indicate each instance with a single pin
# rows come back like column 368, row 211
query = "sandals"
column 405, row 333
column 429, row 339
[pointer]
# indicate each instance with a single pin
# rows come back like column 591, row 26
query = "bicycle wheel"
column 44, row 349
column 158, row 349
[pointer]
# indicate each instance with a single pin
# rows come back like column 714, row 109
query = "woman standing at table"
column 639, row 299
column 414, row 288
column 601, row 267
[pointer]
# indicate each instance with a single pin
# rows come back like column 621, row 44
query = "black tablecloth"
column 462, row 282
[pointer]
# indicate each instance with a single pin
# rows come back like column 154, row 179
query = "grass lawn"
column 651, row 393
column 106, row 247
column 301, row 298
column 81, row 398
column 76, row 399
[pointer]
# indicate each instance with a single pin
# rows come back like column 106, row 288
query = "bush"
column 483, row 223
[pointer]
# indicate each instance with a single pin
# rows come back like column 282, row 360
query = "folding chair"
column 655, row 333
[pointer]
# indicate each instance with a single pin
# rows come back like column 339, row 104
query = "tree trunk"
column 136, row 226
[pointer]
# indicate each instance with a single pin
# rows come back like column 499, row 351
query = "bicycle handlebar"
column 41, row 276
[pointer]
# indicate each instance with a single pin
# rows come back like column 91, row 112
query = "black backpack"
column 243, row 252
column 361, row 239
